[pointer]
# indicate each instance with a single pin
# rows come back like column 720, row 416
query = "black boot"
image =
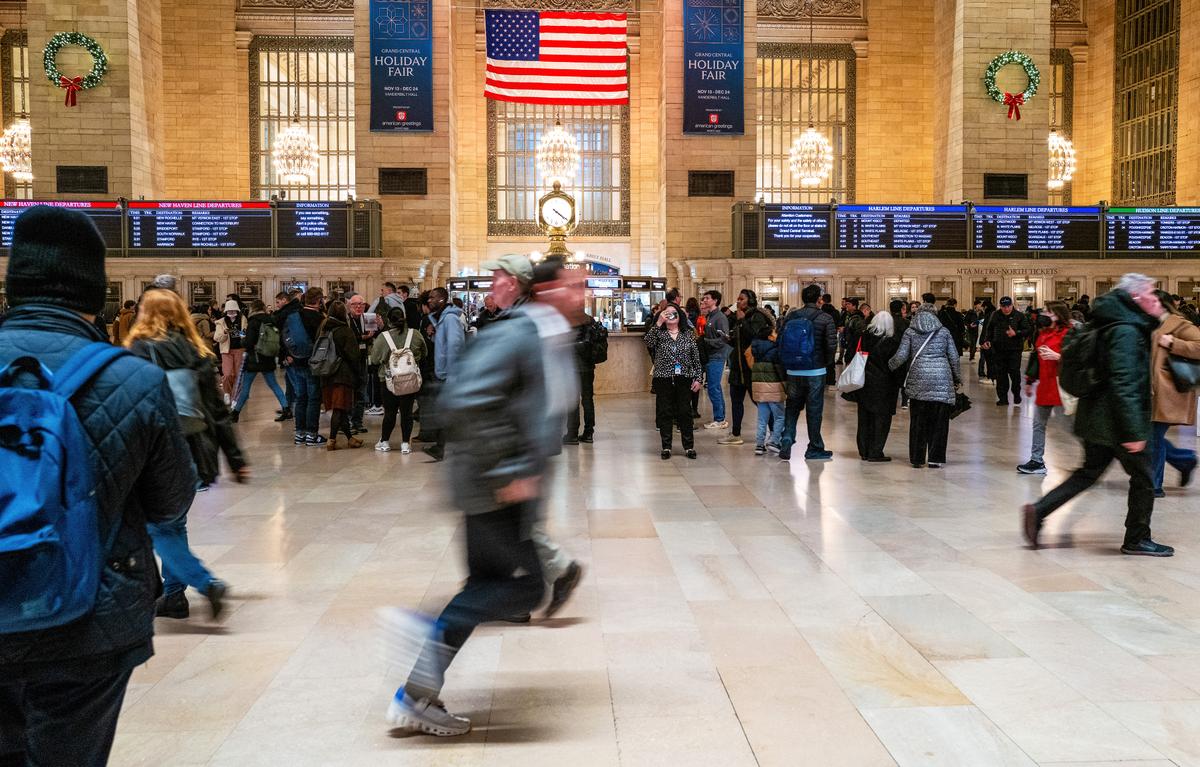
column 233, row 416
column 285, row 414
column 171, row 606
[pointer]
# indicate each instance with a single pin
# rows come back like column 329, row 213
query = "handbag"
column 854, row 377
column 1070, row 401
column 962, row 403
column 1185, row 373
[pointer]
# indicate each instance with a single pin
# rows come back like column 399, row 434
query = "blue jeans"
column 714, row 370
column 180, row 567
column 767, row 411
column 248, row 379
column 308, row 397
column 1163, row 452
column 805, row 393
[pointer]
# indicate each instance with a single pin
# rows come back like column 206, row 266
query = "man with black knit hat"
column 61, row 687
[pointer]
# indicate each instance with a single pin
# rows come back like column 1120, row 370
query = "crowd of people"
column 142, row 409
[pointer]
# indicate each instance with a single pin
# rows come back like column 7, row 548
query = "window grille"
column 324, row 67
column 1147, row 97
column 14, row 78
column 795, row 80
column 601, row 184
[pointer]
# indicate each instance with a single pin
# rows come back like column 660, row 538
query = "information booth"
column 639, row 296
column 471, row 291
column 603, row 298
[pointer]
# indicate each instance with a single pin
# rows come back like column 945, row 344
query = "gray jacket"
column 715, row 324
column 934, row 372
column 494, row 408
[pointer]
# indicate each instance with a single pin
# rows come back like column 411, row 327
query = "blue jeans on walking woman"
column 1163, row 452
column 180, row 567
column 248, row 379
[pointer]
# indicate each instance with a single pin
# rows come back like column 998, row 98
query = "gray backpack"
column 324, row 360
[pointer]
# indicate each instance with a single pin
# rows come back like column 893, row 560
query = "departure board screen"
column 220, row 225
column 902, row 227
column 105, row 215
column 1037, row 228
column 312, row 225
column 796, row 227
column 1153, row 229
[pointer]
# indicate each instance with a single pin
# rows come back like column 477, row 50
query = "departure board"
column 1037, row 228
column 321, row 225
column 105, row 215
column 1132, row 229
column 796, row 227
column 902, row 227
column 219, row 225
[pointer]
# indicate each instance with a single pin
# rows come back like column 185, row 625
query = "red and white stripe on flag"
column 581, row 59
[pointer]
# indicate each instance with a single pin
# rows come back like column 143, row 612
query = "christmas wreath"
column 81, row 82
column 1012, row 100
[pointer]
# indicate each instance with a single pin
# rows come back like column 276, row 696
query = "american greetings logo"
column 401, row 116
column 713, row 118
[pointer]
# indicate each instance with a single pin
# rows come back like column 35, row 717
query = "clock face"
column 556, row 212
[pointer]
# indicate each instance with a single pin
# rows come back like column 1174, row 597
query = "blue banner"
column 713, row 61
column 401, row 65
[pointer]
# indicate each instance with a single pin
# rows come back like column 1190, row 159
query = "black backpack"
column 599, row 343
column 1082, row 370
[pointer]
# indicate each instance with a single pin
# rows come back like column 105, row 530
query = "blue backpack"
column 798, row 345
column 296, row 338
column 50, row 550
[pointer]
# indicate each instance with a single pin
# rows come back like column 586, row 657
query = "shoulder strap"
column 388, row 337
column 83, row 365
column 408, row 339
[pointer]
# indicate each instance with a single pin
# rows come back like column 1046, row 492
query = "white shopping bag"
column 854, row 377
column 1070, row 401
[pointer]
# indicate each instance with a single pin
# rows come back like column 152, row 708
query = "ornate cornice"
column 1066, row 10
column 799, row 10
column 307, row 6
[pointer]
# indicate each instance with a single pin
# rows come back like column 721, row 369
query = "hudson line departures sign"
column 401, row 65
column 713, row 63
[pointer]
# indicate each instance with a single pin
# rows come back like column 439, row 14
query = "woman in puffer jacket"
column 931, row 382
column 768, row 392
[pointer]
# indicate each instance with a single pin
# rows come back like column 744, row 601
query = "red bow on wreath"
column 75, row 84
column 1014, row 101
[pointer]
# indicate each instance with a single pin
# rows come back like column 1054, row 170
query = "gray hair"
column 882, row 324
column 1134, row 282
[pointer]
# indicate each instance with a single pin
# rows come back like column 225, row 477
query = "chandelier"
column 811, row 157
column 557, row 155
column 1062, row 160
column 15, row 154
column 295, row 155
column 294, row 152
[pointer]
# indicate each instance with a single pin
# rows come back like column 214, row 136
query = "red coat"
column 1047, row 370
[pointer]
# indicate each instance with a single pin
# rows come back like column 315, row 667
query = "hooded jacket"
column 1120, row 412
column 143, row 473
column 448, row 341
column 933, row 370
column 755, row 325
column 253, row 362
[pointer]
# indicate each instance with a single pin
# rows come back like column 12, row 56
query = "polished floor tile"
column 735, row 610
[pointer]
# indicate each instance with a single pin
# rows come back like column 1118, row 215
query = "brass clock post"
column 560, row 206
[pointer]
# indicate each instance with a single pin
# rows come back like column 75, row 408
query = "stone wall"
column 1187, row 175
column 1094, row 107
column 203, row 78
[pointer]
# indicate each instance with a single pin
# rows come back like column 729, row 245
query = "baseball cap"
column 517, row 265
column 1006, row 301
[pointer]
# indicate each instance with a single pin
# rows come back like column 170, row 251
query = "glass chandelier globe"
column 295, row 155
column 16, row 156
column 557, row 155
column 1062, row 161
column 811, row 157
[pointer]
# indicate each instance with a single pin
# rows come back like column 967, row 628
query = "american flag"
column 557, row 57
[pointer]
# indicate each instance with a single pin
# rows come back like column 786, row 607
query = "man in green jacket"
column 1115, row 422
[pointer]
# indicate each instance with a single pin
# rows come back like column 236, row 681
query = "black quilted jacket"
column 144, row 473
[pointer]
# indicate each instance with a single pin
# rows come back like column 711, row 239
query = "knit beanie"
column 57, row 258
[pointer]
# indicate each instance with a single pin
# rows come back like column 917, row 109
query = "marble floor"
column 735, row 611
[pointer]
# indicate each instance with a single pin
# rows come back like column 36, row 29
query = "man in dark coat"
column 1114, row 423
column 952, row 320
column 61, row 688
column 1006, row 332
column 749, row 324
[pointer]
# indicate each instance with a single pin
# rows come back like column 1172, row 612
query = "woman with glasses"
column 676, row 377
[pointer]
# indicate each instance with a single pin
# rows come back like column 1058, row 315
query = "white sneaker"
column 425, row 715
column 382, row 446
column 717, row 425
column 404, row 448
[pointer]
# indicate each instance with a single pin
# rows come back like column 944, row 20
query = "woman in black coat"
column 337, row 389
column 254, row 364
column 877, row 399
